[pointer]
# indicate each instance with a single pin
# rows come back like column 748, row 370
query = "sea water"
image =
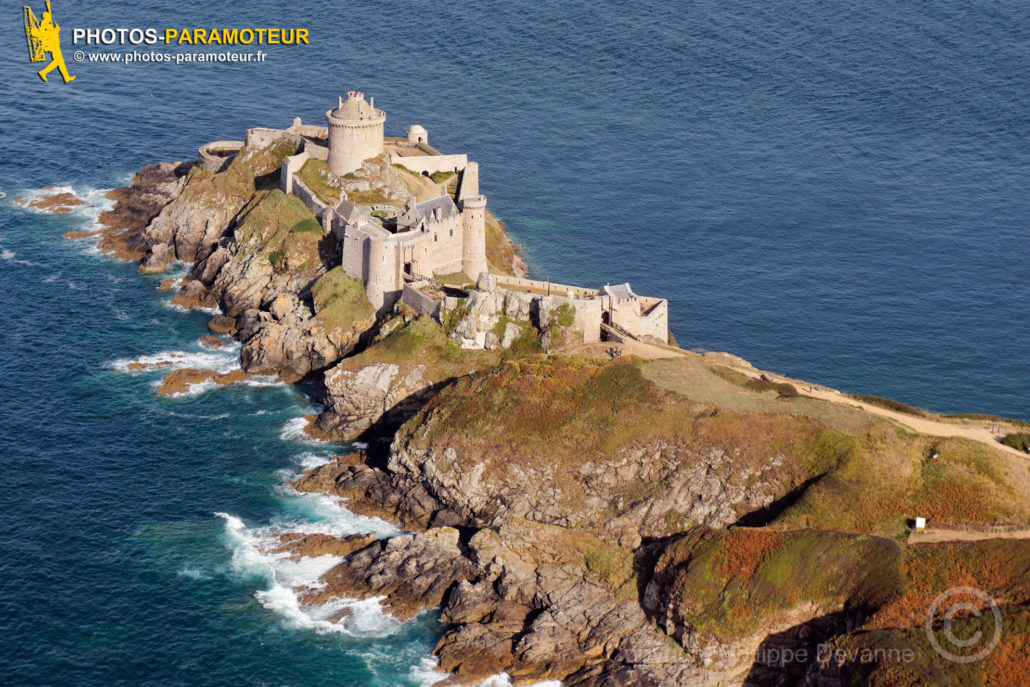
column 832, row 191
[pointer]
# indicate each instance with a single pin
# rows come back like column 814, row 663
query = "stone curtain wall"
column 431, row 164
column 262, row 138
column 419, row 301
column 291, row 166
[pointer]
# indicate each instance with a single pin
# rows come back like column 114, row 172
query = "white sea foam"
column 285, row 579
column 7, row 254
column 191, row 389
column 504, row 680
column 327, row 514
column 427, row 672
column 265, row 380
column 224, row 359
column 94, row 202
column 181, row 308
column 194, row 573
column 293, row 430
column 310, row 459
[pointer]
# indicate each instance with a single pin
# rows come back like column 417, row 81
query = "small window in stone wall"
column 452, row 232
column 436, row 237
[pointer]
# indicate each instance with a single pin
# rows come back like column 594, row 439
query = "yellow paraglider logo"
column 44, row 36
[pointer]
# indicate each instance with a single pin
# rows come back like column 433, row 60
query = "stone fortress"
column 400, row 252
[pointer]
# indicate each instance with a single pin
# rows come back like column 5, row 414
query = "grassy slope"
column 423, row 342
column 277, row 226
column 886, row 474
column 312, row 174
column 339, row 300
column 1001, row 568
column 729, row 582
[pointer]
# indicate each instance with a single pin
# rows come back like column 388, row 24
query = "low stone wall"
column 308, row 197
column 311, row 131
column 430, row 164
column 217, row 155
column 291, row 166
column 544, row 287
column 290, row 183
column 260, row 137
column 419, row 301
column 317, row 152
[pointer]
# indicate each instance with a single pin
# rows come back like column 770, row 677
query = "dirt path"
column 933, row 536
column 922, row 425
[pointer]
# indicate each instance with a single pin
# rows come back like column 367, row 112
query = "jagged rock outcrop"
column 700, row 488
column 189, row 227
column 179, row 381
column 299, row 545
column 381, row 392
column 288, row 340
column 412, row 572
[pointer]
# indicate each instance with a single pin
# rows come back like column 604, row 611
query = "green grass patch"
column 339, row 300
column 566, row 314
column 314, row 174
column 729, row 582
column 307, row 226
column 1019, row 441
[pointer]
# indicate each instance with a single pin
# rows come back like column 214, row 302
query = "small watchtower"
column 417, row 134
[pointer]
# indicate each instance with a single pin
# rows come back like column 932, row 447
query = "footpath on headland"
column 923, row 425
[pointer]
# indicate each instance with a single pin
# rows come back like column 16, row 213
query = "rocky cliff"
column 595, row 522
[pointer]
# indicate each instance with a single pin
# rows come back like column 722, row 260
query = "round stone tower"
column 473, row 216
column 355, row 133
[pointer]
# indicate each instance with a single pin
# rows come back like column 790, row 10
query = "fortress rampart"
column 430, row 164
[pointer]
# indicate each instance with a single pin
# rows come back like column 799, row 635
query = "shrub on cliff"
column 1019, row 441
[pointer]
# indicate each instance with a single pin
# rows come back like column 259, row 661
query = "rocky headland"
column 662, row 519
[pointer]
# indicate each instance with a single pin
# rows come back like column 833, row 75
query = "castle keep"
column 406, row 216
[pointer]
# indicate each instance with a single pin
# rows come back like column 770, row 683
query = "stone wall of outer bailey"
column 419, row 301
column 656, row 322
column 291, row 166
column 311, row 131
column 445, row 245
column 355, row 254
column 556, row 289
column 258, row 138
column 653, row 323
column 316, row 151
column 431, row 164
column 469, row 181
column 309, row 199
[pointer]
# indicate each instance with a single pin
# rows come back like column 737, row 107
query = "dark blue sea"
column 835, row 191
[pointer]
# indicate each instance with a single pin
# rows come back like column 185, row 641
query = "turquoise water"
column 836, row 193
